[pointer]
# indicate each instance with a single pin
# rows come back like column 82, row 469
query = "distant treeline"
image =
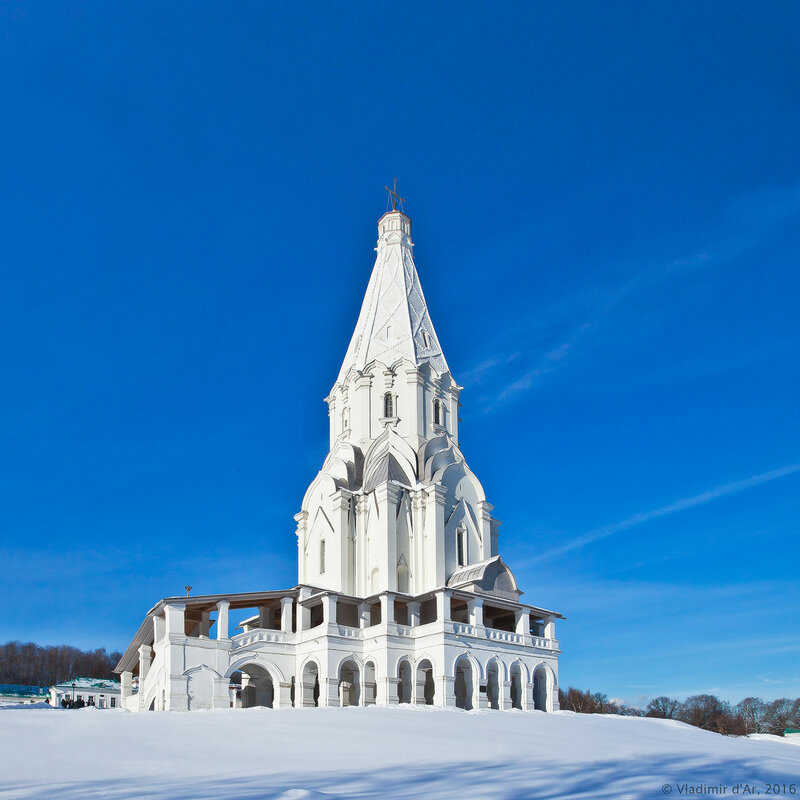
column 31, row 664
column 751, row 715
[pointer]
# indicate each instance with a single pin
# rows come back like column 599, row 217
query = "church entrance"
column 309, row 686
column 516, row 685
column 404, row 682
column 540, row 688
column 349, row 684
column 493, row 685
column 257, row 687
column 425, row 685
column 464, row 683
column 370, row 684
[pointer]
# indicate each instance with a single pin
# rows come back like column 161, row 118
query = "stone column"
column 222, row 619
column 286, row 614
column 338, row 569
column 485, row 511
column 434, row 535
column 363, row 615
column 159, row 629
column 445, row 691
column 442, row 606
column 283, row 696
column 329, row 692
column 413, row 613
column 222, row 693
column 483, row 694
column 329, row 602
column 145, row 659
column 302, row 520
column 125, row 686
column 419, row 578
column 522, row 621
column 416, row 404
column 455, row 391
column 387, row 608
column 475, row 608
column 361, row 578
column 387, row 496
column 549, row 628
column 174, row 618
column 504, row 698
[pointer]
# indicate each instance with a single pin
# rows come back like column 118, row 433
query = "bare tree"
column 663, row 708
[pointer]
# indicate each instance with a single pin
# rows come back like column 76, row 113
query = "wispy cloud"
column 555, row 335
column 685, row 503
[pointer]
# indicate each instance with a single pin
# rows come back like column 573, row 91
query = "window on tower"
column 437, row 412
column 461, row 546
column 322, row 557
column 388, row 405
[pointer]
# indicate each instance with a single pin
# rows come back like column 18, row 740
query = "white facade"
column 402, row 595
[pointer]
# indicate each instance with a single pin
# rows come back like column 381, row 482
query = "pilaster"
column 434, row 534
column 302, row 522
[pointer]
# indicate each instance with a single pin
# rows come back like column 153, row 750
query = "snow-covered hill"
column 400, row 752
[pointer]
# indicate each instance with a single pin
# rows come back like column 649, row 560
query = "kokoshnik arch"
column 402, row 596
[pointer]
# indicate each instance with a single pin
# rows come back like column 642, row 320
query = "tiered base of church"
column 307, row 647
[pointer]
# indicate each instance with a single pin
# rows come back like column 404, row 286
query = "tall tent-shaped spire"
column 394, row 322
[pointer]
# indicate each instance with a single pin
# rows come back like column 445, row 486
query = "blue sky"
column 606, row 201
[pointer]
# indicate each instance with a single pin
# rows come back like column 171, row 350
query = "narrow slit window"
column 388, row 405
column 322, row 557
column 437, row 412
column 460, row 547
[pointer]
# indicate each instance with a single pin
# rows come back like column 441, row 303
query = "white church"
column 401, row 596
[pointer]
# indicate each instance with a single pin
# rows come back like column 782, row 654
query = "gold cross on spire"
column 395, row 198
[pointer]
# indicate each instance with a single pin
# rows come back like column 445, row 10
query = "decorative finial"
column 395, row 198
column 188, row 589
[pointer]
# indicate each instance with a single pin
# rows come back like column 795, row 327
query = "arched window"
column 388, row 405
column 461, row 546
column 345, row 418
column 437, row 412
column 322, row 557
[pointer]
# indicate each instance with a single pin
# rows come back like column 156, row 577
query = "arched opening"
column 540, row 688
column 370, row 684
column 349, row 684
column 516, row 685
column 464, row 683
column 437, row 412
column 404, row 682
column 257, row 687
column 425, row 685
column 493, row 685
column 309, row 686
column 388, row 405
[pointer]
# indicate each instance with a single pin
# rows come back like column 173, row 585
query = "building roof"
column 94, row 684
column 18, row 690
column 394, row 322
column 196, row 604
